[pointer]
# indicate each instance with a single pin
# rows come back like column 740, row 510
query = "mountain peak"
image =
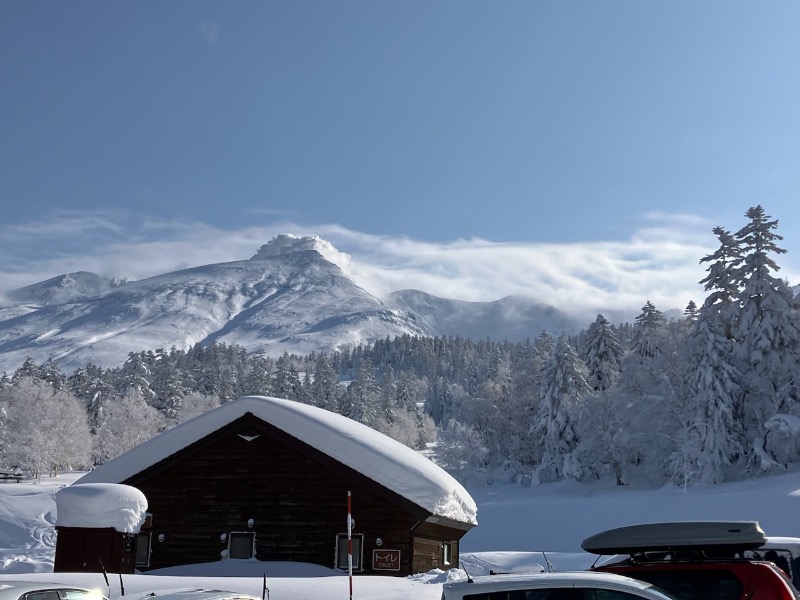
column 289, row 243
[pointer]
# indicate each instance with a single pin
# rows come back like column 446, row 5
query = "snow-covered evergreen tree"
column 710, row 428
column 721, row 281
column 325, row 391
column 286, row 381
column 648, row 332
column 711, row 435
column 602, row 353
column 92, row 386
column 564, row 387
column 765, row 326
column 361, row 399
column 137, row 375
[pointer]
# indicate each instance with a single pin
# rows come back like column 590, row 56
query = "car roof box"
column 681, row 535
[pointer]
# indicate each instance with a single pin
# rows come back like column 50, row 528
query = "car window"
column 79, row 595
column 610, row 595
column 534, row 594
column 42, row 595
column 555, row 594
column 694, row 584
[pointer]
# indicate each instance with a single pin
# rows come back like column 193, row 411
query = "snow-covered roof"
column 101, row 505
column 371, row 453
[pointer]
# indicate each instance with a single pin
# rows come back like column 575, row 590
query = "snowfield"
column 518, row 528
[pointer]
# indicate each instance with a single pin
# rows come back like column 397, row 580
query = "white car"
column 579, row 585
column 11, row 589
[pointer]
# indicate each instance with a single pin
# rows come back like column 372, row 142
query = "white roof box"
column 682, row 535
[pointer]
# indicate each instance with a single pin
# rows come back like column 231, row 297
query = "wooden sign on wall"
column 386, row 560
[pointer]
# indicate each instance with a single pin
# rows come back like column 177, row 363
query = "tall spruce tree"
column 602, row 353
column 710, row 431
column 721, row 281
column 564, row 387
column 648, row 333
column 765, row 326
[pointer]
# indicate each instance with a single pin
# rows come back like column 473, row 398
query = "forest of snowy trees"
column 710, row 397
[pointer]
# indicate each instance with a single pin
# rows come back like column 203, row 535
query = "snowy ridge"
column 382, row 459
column 291, row 296
column 513, row 318
column 288, row 299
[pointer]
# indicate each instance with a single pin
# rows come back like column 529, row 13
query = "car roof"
column 790, row 544
column 189, row 594
column 567, row 578
column 37, row 585
column 21, row 586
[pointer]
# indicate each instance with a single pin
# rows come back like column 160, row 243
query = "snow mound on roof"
column 101, row 505
column 377, row 456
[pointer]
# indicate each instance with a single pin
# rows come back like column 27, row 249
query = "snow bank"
column 101, row 505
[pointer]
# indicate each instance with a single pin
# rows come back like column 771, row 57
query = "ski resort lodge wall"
column 250, row 490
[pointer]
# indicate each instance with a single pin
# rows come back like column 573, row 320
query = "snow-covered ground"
column 518, row 527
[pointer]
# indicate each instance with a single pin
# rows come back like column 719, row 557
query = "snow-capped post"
column 350, row 542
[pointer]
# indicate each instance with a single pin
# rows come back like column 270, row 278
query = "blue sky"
column 471, row 149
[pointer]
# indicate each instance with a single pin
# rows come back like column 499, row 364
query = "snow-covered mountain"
column 290, row 296
column 513, row 318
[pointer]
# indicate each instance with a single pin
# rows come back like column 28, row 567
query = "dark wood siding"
column 80, row 550
column 297, row 505
column 428, row 541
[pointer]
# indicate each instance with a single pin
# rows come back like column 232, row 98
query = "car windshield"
column 81, row 595
column 663, row 593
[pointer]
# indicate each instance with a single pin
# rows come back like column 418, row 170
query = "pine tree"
column 286, row 382
column 360, row 401
column 648, row 332
column 564, row 387
column 721, row 278
column 765, row 326
column 602, row 353
column 325, row 389
column 711, row 432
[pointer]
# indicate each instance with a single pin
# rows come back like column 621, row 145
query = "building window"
column 341, row 550
column 143, row 549
column 242, row 545
column 448, row 551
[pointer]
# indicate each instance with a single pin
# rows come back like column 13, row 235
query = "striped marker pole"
column 350, row 542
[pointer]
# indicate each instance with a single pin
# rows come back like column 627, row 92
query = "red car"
column 695, row 560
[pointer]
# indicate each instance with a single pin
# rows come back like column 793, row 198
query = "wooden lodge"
column 269, row 479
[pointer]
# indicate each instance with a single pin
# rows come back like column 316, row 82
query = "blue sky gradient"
column 543, row 126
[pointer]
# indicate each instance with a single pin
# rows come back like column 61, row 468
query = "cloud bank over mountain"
column 659, row 263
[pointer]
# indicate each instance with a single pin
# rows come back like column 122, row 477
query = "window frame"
column 448, row 550
column 340, row 560
column 139, row 537
column 241, row 535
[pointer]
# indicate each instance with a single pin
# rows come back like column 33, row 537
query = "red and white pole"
column 350, row 542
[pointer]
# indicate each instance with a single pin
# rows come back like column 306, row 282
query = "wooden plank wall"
column 297, row 505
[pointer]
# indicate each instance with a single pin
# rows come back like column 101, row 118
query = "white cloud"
column 659, row 263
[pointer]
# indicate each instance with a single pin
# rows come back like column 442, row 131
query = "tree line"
column 709, row 397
